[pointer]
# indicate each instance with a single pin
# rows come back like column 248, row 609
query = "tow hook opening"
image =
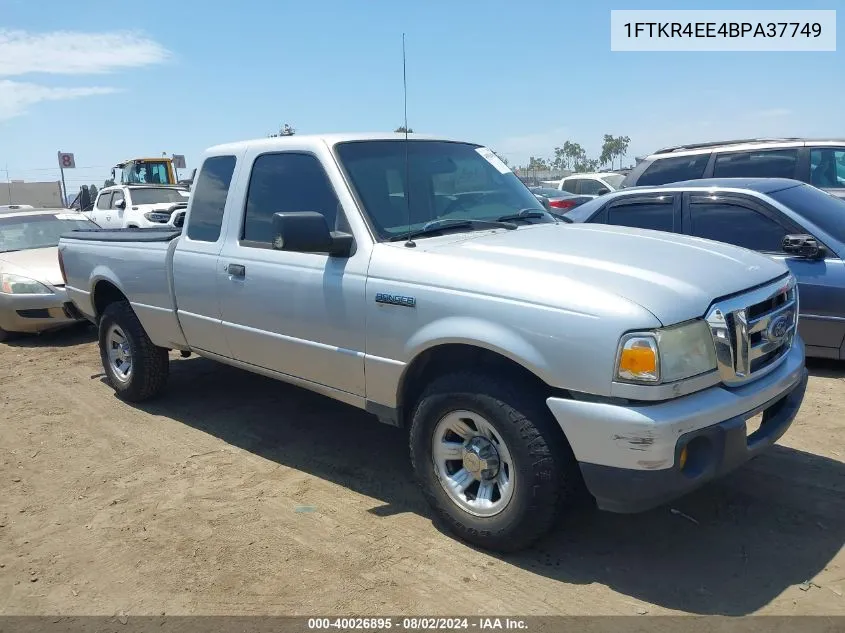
column 696, row 456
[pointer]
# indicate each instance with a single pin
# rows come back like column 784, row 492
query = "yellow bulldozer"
column 145, row 171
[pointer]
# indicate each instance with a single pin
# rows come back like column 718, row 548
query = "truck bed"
column 135, row 262
column 165, row 234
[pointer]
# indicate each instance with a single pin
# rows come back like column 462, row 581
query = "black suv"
column 820, row 163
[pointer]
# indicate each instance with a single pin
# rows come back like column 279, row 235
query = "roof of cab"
column 327, row 139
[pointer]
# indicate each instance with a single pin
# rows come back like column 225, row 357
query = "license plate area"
column 753, row 428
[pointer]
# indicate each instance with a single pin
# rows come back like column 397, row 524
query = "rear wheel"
column 4, row 335
column 136, row 368
column 491, row 461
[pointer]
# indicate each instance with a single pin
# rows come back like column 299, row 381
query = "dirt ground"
column 235, row 494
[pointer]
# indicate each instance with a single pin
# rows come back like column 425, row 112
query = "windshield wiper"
column 531, row 214
column 437, row 226
column 558, row 216
column 523, row 214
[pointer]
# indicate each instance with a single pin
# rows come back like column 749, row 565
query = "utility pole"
column 9, row 183
column 64, row 187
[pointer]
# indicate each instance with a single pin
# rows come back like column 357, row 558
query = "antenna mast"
column 409, row 243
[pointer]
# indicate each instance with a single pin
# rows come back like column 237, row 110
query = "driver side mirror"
column 308, row 232
column 120, row 204
column 805, row 246
column 602, row 191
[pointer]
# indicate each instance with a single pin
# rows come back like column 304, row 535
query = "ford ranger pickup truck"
column 529, row 358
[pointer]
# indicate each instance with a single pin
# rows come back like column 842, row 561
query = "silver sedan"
column 32, row 292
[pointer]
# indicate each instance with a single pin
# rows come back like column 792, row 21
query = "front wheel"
column 491, row 461
column 136, row 368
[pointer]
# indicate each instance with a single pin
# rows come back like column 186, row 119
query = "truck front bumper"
column 630, row 456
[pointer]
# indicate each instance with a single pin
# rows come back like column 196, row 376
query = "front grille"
column 754, row 330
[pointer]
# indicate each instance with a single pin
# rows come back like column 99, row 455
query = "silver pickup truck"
column 420, row 280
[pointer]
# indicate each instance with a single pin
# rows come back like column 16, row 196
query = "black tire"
column 150, row 364
column 547, row 476
column 5, row 336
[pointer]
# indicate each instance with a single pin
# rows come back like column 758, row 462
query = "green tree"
column 575, row 154
column 93, row 191
column 608, row 150
column 613, row 148
column 539, row 164
column 401, row 130
column 108, row 183
column 622, row 143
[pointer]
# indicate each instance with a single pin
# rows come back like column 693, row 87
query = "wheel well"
column 105, row 293
column 453, row 357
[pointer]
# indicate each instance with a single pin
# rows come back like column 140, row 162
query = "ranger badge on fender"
column 396, row 300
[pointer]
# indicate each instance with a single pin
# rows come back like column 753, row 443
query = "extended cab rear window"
column 209, row 198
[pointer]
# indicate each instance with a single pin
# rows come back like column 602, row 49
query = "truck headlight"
column 16, row 285
column 667, row 354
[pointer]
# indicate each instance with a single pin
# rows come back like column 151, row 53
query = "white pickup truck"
column 420, row 280
column 139, row 206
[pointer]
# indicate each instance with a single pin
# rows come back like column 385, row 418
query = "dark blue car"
column 787, row 219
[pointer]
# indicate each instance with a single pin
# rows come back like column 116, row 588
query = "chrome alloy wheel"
column 119, row 354
column 473, row 463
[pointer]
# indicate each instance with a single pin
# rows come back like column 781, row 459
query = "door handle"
column 236, row 270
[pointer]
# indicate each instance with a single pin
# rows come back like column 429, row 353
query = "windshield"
column 24, row 232
column 447, row 181
column 614, row 180
column 822, row 209
column 154, row 195
column 136, row 172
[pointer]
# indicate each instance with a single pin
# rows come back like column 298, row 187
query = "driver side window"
column 104, row 200
column 118, row 196
column 591, row 187
column 737, row 225
column 570, row 185
column 286, row 181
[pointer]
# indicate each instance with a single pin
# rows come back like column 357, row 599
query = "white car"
column 32, row 291
column 139, row 206
column 592, row 184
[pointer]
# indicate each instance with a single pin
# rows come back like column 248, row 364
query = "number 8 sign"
column 66, row 161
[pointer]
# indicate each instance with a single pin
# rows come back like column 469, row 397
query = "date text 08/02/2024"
column 417, row 624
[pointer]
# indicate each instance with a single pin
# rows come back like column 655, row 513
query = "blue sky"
column 520, row 77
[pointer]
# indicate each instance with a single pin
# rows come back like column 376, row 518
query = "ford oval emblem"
column 778, row 327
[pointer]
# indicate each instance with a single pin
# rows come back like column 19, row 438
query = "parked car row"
column 819, row 162
column 787, row 220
